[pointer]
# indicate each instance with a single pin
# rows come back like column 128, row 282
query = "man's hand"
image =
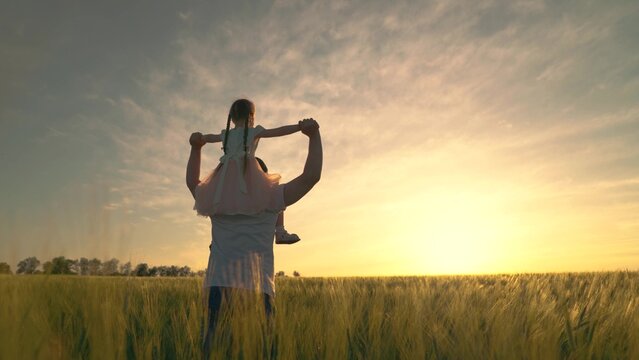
column 309, row 127
column 197, row 140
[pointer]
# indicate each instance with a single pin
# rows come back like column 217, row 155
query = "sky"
column 460, row 137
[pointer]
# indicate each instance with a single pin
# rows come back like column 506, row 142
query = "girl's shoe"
column 283, row 237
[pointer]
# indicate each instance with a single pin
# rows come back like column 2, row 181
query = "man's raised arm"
column 301, row 185
column 193, row 166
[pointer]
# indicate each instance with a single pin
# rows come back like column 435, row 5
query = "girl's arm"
column 280, row 131
column 212, row 138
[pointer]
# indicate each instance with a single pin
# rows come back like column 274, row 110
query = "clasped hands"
column 307, row 126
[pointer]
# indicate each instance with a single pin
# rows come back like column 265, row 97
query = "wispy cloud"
column 534, row 97
column 386, row 86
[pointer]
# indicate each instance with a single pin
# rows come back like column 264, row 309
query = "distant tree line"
column 112, row 267
column 283, row 274
column 87, row 267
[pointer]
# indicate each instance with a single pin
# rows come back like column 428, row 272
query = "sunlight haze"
column 460, row 137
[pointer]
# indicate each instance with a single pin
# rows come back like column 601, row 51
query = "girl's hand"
column 197, row 140
column 309, row 126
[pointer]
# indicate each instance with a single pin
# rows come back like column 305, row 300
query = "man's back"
column 242, row 252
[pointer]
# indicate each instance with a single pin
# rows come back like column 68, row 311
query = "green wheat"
column 529, row 316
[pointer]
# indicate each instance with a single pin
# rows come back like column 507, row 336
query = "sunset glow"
column 459, row 137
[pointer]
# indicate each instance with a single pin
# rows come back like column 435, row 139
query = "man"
column 241, row 256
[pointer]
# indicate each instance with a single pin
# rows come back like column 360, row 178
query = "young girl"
column 240, row 184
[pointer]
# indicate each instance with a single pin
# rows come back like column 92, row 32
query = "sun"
column 460, row 232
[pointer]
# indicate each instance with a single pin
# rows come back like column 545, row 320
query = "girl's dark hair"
column 241, row 109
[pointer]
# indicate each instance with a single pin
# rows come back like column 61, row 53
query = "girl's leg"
column 280, row 220
column 281, row 235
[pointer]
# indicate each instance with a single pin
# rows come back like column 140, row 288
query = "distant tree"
column 141, row 270
column 125, row 269
column 28, row 265
column 169, row 270
column 47, row 267
column 185, row 271
column 83, row 265
column 156, row 271
column 172, row 271
column 296, row 274
column 161, row 270
column 58, row 265
column 95, row 266
column 74, row 265
column 61, row 265
column 110, row 267
column 280, row 274
column 200, row 273
column 5, row 268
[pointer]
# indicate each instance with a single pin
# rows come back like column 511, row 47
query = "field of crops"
column 540, row 316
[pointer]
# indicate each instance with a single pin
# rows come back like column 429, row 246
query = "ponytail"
column 245, row 147
column 226, row 134
column 241, row 108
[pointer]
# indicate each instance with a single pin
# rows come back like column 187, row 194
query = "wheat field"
column 525, row 316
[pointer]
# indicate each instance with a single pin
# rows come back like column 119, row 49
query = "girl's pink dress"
column 232, row 188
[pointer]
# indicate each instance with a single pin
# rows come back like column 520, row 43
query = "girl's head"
column 242, row 113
